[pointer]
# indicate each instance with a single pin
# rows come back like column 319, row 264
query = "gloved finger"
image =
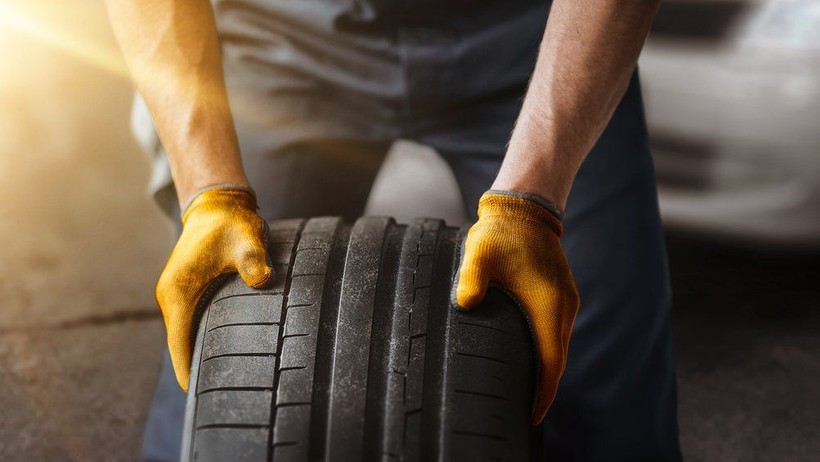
column 547, row 389
column 551, row 359
column 179, row 344
column 473, row 278
column 178, row 291
column 551, row 311
column 251, row 260
column 178, row 296
column 253, row 268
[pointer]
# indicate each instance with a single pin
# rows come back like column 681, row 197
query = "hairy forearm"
column 172, row 50
column 587, row 56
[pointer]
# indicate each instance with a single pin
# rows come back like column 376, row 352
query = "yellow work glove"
column 515, row 244
column 221, row 234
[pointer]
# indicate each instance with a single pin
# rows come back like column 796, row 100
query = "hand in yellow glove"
column 221, row 233
column 515, row 244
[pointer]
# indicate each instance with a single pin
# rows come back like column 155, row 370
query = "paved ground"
column 80, row 338
column 80, row 243
column 747, row 337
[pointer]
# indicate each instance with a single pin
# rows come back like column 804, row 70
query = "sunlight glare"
column 91, row 53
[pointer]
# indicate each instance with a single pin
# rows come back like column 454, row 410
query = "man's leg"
column 617, row 399
column 163, row 430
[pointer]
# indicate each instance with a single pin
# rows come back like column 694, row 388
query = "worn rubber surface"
column 354, row 354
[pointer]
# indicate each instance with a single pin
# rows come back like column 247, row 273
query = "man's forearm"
column 172, row 50
column 587, row 56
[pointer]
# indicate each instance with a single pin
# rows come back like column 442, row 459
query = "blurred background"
column 732, row 91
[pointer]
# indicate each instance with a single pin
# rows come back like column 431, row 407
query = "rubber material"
column 354, row 354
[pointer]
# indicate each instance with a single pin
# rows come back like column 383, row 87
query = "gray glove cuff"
column 551, row 208
column 229, row 186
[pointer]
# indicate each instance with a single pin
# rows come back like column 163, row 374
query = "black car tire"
column 354, row 353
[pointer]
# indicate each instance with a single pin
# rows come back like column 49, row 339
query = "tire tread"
column 353, row 353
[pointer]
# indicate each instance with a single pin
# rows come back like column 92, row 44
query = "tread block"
column 477, row 446
column 297, row 351
column 246, row 310
column 237, row 372
column 418, row 314
column 239, row 340
column 305, row 290
column 485, row 330
column 292, row 386
column 234, row 444
column 289, row 419
column 310, row 260
column 415, row 374
column 302, row 320
column 412, row 440
column 489, row 332
column 480, row 414
column 277, row 286
column 400, row 352
column 234, row 407
column 480, row 374
column 424, row 271
column 280, row 252
column 315, row 240
column 292, row 423
column 236, row 286
column 394, row 413
column 289, row 451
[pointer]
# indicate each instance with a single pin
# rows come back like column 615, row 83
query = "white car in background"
column 732, row 92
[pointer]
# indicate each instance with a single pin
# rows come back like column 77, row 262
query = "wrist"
column 526, row 172
column 188, row 188
column 540, row 182
column 194, row 169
